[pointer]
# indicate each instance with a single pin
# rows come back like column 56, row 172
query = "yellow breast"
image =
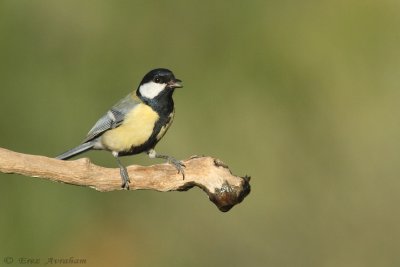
column 136, row 129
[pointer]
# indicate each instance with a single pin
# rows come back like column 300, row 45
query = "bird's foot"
column 171, row 160
column 124, row 177
column 178, row 165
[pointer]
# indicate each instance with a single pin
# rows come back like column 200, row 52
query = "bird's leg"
column 177, row 163
column 123, row 172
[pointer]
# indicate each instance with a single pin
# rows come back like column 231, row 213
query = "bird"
column 136, row 123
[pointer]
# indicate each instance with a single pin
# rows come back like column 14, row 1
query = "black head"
column 156, row 82
column 159, row 76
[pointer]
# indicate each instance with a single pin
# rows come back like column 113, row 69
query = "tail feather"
column 76, row 151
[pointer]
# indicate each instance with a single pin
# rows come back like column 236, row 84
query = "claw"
column 125, row 185
column 178, row 165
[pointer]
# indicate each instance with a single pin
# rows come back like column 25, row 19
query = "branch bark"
column 214, row 177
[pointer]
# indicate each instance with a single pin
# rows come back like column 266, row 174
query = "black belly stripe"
column 152, row 141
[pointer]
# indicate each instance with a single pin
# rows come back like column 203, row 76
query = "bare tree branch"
column 210, row 174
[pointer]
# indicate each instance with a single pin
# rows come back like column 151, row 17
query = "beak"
column 175, row 84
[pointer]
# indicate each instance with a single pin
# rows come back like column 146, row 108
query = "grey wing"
column 113, row 118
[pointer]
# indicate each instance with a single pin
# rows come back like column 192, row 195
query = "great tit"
column 136, row 123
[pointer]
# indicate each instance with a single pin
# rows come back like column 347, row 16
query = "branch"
column 210, row 174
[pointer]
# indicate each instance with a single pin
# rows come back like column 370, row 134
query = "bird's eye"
column 157, row 79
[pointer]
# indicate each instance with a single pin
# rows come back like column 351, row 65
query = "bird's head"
column 158, row 82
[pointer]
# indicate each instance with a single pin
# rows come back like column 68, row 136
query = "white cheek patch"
column 151, row 89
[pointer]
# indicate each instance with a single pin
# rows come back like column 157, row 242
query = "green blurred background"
column 301, row 95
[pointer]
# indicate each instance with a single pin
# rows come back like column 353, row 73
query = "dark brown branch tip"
column 247, row 178
column 228, row 195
